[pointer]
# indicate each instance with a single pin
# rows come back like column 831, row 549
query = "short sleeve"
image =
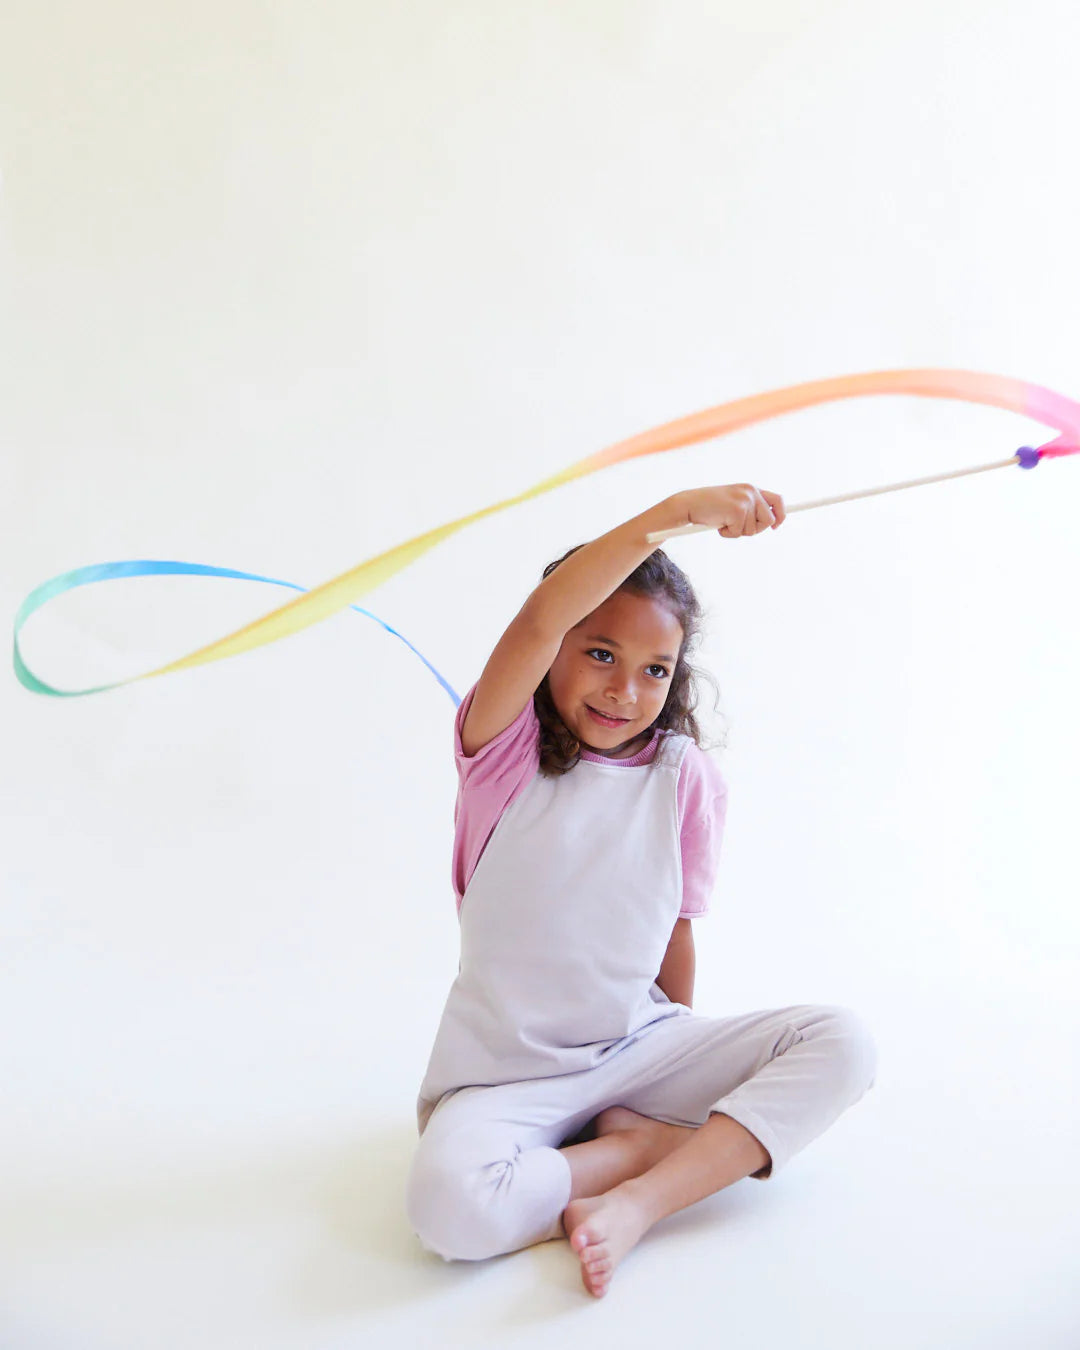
column 488, row 782
column 503, row 753
column 702, row 804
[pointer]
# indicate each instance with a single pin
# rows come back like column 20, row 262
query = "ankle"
column 640, row 1196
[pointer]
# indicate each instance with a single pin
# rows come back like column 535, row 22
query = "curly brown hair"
column 657, row 578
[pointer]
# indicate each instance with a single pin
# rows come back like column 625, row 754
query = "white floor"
column 940, row 1212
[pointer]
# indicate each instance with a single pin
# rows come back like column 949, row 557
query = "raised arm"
column 525, row 652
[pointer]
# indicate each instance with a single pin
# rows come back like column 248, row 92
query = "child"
column 587, row 827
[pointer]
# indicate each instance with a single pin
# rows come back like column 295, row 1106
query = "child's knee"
column 456, row 1211
column 852, row 1049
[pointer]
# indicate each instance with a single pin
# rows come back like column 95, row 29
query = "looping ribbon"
column 149, row 567
column 318, row 603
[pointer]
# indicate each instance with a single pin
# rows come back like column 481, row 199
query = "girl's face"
column 612, row 674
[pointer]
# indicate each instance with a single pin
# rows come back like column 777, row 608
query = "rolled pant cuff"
column 762, row 1132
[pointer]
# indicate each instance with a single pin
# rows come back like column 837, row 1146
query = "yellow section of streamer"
column 322, row 601
column 319, row 603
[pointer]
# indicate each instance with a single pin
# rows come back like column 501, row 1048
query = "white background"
column 284, row 284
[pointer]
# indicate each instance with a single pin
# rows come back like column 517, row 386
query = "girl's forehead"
column 628, row 617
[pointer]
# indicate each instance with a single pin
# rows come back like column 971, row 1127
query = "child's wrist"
column 672, row 512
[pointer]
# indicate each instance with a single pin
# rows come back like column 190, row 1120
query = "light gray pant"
column 488, row 1176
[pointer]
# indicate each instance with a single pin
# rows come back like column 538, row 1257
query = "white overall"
column 555, row 1015
column 564, row 925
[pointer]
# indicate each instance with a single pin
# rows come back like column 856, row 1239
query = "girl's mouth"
column 604, row 720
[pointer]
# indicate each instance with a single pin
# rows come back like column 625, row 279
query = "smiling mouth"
column 604, row 719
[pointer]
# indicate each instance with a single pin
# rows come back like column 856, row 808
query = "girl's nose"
column 621, row 688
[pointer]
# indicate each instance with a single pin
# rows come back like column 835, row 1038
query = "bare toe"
column 602, row 1230
column 597, row 1279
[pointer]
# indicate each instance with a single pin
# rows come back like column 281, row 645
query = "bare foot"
column 602, row 1229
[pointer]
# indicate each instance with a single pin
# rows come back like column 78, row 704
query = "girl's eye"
column 601, row 654
column 660, row 672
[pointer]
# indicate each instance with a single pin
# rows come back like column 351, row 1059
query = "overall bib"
column 564, row 925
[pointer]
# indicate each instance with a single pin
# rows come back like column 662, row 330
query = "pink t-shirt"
column 493, row 778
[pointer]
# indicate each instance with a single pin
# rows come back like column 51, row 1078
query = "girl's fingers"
column 777, row 503
column 763, row 518
column 746, row 525
column 763, row 511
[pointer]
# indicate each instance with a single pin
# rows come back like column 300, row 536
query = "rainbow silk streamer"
column 86, row 576
column 312, row 606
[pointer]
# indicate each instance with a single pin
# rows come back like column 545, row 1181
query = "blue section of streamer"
column 144, row 567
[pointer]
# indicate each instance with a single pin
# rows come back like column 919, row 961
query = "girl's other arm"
column 525, row 652
column 676, row 976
